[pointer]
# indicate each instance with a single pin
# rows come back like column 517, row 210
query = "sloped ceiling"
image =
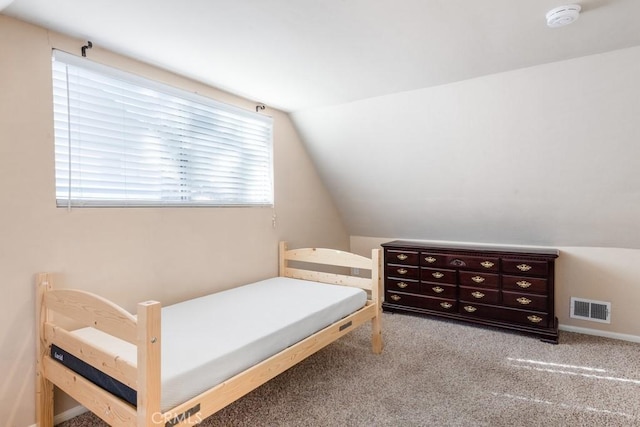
column 432, row 119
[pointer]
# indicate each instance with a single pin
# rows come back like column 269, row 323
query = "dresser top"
column 497, row 249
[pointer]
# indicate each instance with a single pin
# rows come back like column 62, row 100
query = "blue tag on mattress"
column 94, row 375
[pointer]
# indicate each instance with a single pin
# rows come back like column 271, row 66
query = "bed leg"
column 149, row 363
column 44, row 387
column 376, row 334
column 282, row 262
column 376, row 338
column 376, row 296
column 44, row 401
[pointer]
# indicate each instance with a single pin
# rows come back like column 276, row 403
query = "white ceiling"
column 302, row 54
column 535, row 142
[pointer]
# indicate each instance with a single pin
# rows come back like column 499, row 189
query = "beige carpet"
column 440, row 373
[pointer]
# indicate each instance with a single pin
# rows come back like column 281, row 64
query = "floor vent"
column 596, row 311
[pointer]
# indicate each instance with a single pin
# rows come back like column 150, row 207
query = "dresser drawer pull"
column 535, row 319
column 458, row 263
column 487, row 264
column 477, row 294
column 478, row 279
column 402, row 271
column 438, row 289
column 446, row 305
column 523, row 300
column 524, row 267
column 395, row 297
column 402, row 257
column 437, row 275
column 523, row 284
column 430, row 259
column 402, row 285
column 470, row 308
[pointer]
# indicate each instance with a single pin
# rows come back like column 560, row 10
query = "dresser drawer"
column 406, row 285
column 402, row 271
column 525, row 284
column 438, row 275
column 477, row 310
column 393, row 297
column 518, row 266
column 394, row 256
column 474, row 263
column 438, row 304
column 418, row 301
column 525, row 301
column 439, row 290
column 529, row 318
column 481, row 295
column 430, row 259
column 469, row 278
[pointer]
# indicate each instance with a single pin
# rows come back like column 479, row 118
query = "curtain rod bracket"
column 260, row 107
column 84, row 48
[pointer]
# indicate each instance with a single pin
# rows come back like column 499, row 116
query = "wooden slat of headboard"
column 93, row 310
column 332, row 278
column 328, row 257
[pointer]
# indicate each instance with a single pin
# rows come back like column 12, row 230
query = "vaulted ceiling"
column 418, row 112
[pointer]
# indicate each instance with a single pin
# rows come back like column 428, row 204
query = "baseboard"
column 599, row 333
column 67, row 415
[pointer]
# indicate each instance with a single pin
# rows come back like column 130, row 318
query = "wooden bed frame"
column 143, row 331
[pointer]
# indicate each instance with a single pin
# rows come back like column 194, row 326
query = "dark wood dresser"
column 507, row 287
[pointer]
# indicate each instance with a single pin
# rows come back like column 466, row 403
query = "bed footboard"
column 91, row 310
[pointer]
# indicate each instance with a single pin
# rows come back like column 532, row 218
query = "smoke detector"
column 563, row 15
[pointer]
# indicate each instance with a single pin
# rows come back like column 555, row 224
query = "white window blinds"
column 122, row 140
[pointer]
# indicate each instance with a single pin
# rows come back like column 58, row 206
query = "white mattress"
column 209, row 339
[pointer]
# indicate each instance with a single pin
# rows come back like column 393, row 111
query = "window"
column 122, row 140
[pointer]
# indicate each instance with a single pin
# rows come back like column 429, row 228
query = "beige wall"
column 127, row 255
column 546, row 155
column 601, row 274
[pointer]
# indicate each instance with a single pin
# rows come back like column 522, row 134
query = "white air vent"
column 596, row 311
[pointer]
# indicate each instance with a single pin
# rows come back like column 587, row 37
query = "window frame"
column 265, row 173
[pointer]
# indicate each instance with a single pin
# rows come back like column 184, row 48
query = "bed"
column 210, row 353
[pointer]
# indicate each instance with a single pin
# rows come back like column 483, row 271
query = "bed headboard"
column 331, row 257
